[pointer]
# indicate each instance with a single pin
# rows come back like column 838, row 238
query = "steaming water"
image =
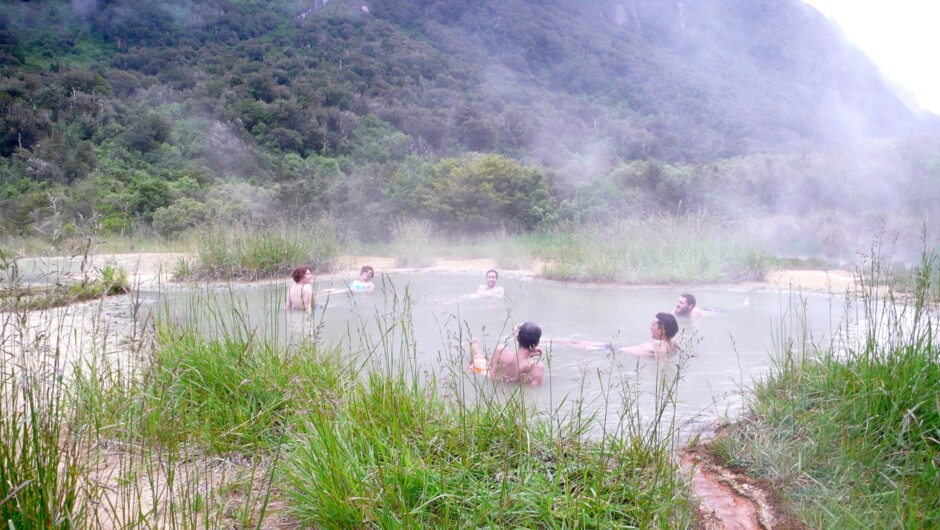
column 43, row 270
column 724, row 352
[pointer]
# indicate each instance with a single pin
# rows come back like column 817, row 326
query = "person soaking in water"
column 300, row 294
column 663, row 330
column 490, row 288
column 362, row 285
column 687, row 307
column 522, row 365
column 485, row 290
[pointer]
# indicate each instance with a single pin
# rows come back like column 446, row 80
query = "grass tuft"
column 246, row 254
column 849, row 432
column 661, row 249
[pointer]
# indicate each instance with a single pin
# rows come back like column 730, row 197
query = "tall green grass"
column 660, row 249
column 412, row 241
column 850, row 431
column 195, row 427
column 253, row 253
column 404, row 449
column 41, row 465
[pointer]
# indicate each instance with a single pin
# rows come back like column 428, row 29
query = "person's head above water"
column 367, row 272
column 491, row 277
column 299, row 272
column 684, row 304
column 665, row 324
column 528, row 335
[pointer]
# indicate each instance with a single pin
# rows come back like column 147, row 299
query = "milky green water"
column 723, row 353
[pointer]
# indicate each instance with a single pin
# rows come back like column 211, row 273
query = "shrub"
column 182, row 215
column 486, row 192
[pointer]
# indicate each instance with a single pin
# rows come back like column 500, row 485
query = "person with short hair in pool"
column 364, row 283
column 485, row 290
column 686, row 306
column 523, row 365
column 490, row 288
column 663, row 329
column 300, row 295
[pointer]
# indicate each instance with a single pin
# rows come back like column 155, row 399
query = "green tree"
column 485, row 192
column 149, row 195
column 179, row 216
column 147, row 132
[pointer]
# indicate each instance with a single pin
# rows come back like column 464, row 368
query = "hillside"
column 120, row 110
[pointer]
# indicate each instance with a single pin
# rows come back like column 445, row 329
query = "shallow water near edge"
column 722, row 355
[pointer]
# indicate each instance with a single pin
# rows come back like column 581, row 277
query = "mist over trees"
column 123, row 116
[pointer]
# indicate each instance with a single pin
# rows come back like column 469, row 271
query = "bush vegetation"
column 140, row 117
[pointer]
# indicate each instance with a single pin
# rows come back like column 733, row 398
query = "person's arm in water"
column 647, row 349
column 659, row 349
column 710, row 311
column 589, row 345
column 461, row 298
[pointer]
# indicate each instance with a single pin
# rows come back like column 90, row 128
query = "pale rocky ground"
column 148, row 270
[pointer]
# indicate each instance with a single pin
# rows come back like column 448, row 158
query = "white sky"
column 901, row 36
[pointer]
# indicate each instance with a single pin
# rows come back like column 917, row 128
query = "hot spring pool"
column 723, row 353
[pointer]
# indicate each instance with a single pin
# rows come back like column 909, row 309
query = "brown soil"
column 731, row 500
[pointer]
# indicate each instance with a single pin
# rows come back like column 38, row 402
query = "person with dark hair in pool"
column 663, row 329
column 364, row 283
column 300, row 295
column 686, row 306
column 523, row 365
column 485, row 290
column 490, row 288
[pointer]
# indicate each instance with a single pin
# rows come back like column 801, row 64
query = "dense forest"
column 158, row 116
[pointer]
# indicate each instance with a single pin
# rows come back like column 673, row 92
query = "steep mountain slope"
column 672, row 80
column 630, row 78
column 153, row 99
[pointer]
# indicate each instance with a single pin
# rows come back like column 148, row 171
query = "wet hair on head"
column 493, row 271
column 689, row 299
column 667, row 323
column 529, row 335
column 367, row 268
column 299, row 272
